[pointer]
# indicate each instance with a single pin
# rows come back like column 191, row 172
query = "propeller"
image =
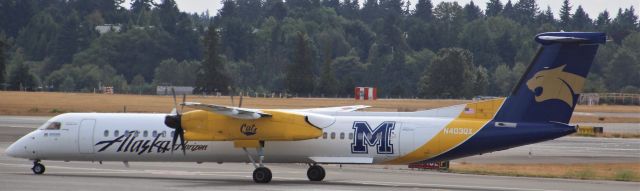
column 175, row 122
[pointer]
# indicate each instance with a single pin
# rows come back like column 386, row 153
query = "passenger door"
column 85, row 136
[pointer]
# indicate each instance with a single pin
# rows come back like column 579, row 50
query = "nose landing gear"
column 37, row 167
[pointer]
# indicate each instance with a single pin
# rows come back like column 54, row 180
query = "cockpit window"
column 53, row 126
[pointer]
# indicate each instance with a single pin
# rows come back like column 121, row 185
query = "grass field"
column 597, row 171
column 48, row 104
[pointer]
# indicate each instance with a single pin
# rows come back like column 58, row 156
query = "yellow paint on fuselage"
column 475, row 116
column 202, row 125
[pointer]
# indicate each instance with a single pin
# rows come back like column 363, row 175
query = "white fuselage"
column 103, row 137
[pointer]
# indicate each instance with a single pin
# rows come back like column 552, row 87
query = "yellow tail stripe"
column 468, row 123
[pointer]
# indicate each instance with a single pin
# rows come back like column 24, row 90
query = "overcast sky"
column 592, row 7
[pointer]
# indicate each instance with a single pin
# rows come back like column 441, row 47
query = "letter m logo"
column 378, row 137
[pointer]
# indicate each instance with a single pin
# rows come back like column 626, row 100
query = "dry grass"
column 596, row 119
column 598, row 171
column 609, row 108
column 50, row 103
column 611, row 135
column 47, row 103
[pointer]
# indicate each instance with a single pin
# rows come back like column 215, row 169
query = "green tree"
column 299, row 76
column 603, row 21
column 449, row 76
column 565, row 15
column 624, row 24
column 480, row 82
column 526, row 11
column 2, row 62
column 449, row 22
column 472, row 11
column 581, row 20
column 212, row 76
column 65, row 45
column 38, row 36
column 21, row 78
column 137, row 84
column 328, row 84
column 494, row 7
column 424, row 10
column 546, row 17
column 623, row 70
column 68, row 85
column 172, row 72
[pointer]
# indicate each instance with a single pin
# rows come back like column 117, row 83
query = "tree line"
column 302, row 47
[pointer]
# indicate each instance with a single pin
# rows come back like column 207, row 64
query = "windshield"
column 52, row 126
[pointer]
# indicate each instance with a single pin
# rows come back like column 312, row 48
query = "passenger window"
column 173, row 133
column 164, row 133
column 154, row 134
column 333, row 135
column 106, row 133
column 126, row 132
column 324, row 135
column 116, row 133
column 145, row 133
column 53, row 126
column 136, row 133
column 350, row 136
column 342, row 135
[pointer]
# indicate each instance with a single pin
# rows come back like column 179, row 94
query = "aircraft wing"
column 348, row 108
column 235, row 112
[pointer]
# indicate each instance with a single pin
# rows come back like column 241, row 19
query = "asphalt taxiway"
column 15, row 174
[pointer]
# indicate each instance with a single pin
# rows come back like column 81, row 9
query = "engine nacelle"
column 202, row 125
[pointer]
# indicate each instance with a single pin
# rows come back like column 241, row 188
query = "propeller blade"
column 184, row 99
column 184, row 152
column 175, row 101
column 173, row 142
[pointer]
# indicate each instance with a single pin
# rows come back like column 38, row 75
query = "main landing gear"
column 261, row 174
column 37, row 167
column 315, row 173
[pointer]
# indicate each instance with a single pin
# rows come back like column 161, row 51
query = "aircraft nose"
column 16, row 149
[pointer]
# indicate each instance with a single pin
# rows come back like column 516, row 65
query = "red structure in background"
column 366, row 93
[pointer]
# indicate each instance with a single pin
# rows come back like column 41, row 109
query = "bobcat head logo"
column 556, row 84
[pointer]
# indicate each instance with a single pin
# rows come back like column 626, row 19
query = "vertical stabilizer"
column 551, row 85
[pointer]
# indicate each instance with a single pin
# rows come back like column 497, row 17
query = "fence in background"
column 609, row 98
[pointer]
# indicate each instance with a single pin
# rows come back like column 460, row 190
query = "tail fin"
column 551, row 85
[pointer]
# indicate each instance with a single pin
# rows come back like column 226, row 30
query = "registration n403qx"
column 538, row 109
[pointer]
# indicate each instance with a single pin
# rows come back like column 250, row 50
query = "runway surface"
column 15, row 174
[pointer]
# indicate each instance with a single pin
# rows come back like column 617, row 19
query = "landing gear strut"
column 261, row 174
column 37, row 167
column 315, row 173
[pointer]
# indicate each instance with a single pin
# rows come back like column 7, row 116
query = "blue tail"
column 550, row 87
column 541, row 104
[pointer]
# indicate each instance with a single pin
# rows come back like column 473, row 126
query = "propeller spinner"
column 175, row 122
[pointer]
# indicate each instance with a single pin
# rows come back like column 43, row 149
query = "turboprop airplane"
column 538, row 109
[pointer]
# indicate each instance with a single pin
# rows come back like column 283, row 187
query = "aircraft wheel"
column 316, row 173
column 262, row 175
column 37, row 168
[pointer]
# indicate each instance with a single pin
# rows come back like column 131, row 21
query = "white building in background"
column 166, row 90
column 105, row 28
